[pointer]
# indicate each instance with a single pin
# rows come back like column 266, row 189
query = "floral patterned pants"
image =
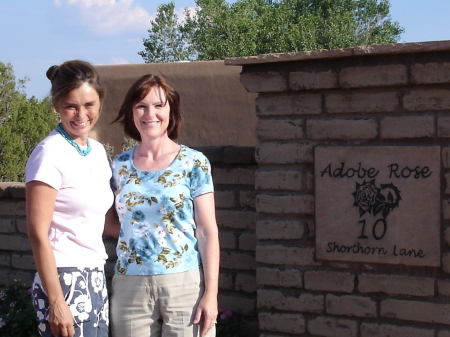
column 86, row 295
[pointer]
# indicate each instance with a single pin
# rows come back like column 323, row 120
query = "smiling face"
column 79, row 111
column 151, row 115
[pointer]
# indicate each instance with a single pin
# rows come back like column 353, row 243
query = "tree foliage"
column 24, row 123
column 217, row 29
column 166, row 39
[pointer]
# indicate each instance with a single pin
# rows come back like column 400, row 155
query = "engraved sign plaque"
column 378, row 204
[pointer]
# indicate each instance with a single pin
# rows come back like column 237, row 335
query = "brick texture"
column 237, row 260
column 290, row 278
column 10, row 242
column 407, row 127
column 7, row 224
column 291, row 256
column 246, row 283
column 224, row 199
column 264, row 81
column 227, row 240
column 342, row 129
column 396, row 285
column 225, row 281
column 247, row 241
column 430, row 73
column 329, row 281
column 280, row 129
column 236, row 219
column 272, row 299
column 386, row 75
column 443, row 127
column 12, row 208
column 5, row 259
column 287, row 323
column 279, row 180
column 353, row 102
column 303, row 80
column 333, row 327
column 280, row 230
column 446, row 262
column 427, row 99
column 23, row 261
column 347, row 305
column 446, row 157
column 284, row 153
column 416, row 311
column 239, row 304
column 247, row 199
column 233, row 176
column 388, row 330
column 289, row 104
column 444, row 287
column 446, row 209
column 285, row 204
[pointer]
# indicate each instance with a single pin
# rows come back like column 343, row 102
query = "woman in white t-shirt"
column 68, row 194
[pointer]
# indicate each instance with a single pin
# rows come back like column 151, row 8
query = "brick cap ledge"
column 12, row 190
column 393, row 48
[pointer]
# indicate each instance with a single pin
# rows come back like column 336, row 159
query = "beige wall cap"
column 393, row 48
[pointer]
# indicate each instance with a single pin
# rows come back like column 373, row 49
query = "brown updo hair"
column 137, row 93
column 71, row 75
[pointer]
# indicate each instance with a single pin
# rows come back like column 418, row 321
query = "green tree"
column 218, row 29
column 25, row 122
column 9, row 91
column 166, row 39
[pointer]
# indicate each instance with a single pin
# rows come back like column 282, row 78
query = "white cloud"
column 118, row 60
column 106, row 17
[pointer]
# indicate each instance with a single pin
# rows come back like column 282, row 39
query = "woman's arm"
column 112, row 224
column 208, row 243
column 40, row 204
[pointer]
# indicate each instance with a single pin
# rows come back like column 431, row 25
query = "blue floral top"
column 156, row 212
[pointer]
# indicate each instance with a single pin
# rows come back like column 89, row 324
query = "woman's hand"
column 206, row 314
column 61, row 319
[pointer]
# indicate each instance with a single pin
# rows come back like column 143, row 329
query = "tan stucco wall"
column 216, row 108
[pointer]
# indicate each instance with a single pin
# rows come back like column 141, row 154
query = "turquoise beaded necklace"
column 72, row 142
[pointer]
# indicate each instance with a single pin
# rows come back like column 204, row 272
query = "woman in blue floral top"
column 166, row 275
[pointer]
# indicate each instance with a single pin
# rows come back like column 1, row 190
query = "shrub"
column 17, row 316
column 228, row 324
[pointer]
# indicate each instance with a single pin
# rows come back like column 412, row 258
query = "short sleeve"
column 42, row 166
column 201, row 179
column 119, row 162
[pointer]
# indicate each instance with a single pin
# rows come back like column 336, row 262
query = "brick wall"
column 378, row 95
column 233, row 170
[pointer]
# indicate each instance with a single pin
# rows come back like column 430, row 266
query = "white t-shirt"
column 83, row 198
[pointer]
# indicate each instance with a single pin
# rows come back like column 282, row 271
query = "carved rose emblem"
column 374, row 200
column 365, row 196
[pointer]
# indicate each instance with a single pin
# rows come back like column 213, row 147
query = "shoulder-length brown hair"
column 137, row 93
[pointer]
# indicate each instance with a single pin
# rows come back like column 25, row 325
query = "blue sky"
column 35, row 34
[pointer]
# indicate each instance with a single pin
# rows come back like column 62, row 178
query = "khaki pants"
column 156, row 305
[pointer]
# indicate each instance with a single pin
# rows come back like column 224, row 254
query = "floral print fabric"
column 87, row 297
column 156, row 212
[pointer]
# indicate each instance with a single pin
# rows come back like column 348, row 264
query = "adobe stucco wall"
column 216, row 109
column 384, row 96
